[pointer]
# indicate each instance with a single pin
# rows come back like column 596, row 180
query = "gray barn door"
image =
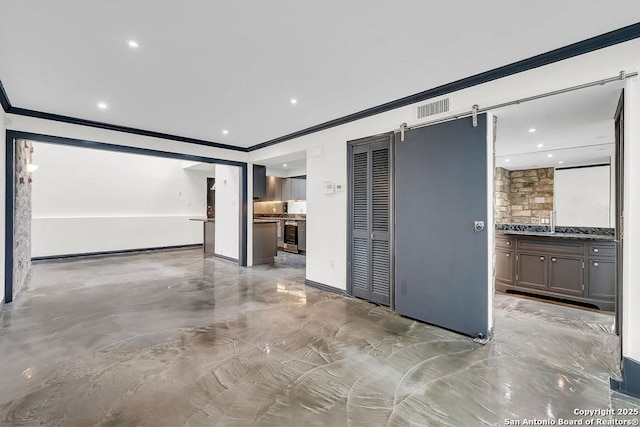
column 370, row 219
column 619, row 211
column 441, row 260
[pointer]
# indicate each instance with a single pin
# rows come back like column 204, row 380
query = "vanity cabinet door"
column 532, row 270
column 505, row 266
column 566, row 274
column 602, row 278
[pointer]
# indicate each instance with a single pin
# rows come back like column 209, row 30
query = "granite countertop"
column 265, row 221
column 555, row 235
column 278, row 219
column 602, row 234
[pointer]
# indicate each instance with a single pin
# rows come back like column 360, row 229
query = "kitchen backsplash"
column 268, row 207
column 271, row 208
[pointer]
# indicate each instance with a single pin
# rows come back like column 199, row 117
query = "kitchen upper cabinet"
column 287, row 193
column 274, row 189
column 294, row 189
column 259, row 181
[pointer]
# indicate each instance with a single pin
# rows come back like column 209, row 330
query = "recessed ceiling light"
column 225, row 132
column 102, row 105
column 294, row 101
column 507, row 160
column 531, row 130
column 284, row 165
column 549, row 155
column 561, row 161
column 540, row 145
column 133, row 44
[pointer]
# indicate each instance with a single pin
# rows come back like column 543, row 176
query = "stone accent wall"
column 502, row 191
column 523, row 196
column 22, row 216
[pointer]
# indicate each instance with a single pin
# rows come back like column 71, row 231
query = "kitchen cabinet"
column 577, row 270
column 274, row 189
column 259, row 181
column 302, row 236
column 302, row 188
column 294, row 189
column 286, row 189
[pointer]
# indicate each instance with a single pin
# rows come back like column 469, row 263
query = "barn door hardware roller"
column 474, row 115
column 403, row 127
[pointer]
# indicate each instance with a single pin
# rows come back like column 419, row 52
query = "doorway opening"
column 77, row 214
column 280, row 197
column 555, row 200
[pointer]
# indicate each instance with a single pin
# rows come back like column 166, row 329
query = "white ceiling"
column 205, row 66
column 575, row 128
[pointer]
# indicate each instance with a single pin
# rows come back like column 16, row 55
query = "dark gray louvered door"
column 370, row 219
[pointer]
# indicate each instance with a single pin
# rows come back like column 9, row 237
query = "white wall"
column 86, row 200
column 227, row 242
column 583, row 196
column 2, row 197
column 631, row 301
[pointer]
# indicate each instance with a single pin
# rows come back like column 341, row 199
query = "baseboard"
column 630, row 382
column 325, row 288
column 117, row 252
column 1, row 305
column 228, row 258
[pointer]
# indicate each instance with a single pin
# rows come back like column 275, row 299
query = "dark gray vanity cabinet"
column 566, row 274
column 601, row 268
column 505, row 264
column 532, row 270
column 572, row 269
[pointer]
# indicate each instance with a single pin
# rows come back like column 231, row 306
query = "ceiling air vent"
column 433, row 108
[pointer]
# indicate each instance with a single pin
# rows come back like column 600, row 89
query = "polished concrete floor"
column 172, row 339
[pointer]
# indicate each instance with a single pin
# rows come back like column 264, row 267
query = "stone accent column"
column 22, row 216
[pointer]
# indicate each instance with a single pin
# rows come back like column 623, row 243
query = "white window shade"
column 583, row 196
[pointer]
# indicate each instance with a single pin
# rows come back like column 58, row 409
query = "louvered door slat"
column 360, row 196
column 370, row 221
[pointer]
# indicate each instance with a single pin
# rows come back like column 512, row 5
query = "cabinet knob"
column 595, row 264
column 508, row 243
column 553, row 260
column 508, row 255
column 541, row 258
column 595, row 250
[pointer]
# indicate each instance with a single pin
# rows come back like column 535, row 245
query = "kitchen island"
column 265, row 241
column 574, row 266
column 209, row 234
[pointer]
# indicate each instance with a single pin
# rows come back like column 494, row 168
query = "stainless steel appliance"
column 291, row 236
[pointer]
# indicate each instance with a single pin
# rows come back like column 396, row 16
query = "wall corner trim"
column 4, row 99
column 629, row 384
column 325, row 288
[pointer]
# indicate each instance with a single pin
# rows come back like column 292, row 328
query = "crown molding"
column 611, row 38
column 589, row 45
